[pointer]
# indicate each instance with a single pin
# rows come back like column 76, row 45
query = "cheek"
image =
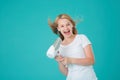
column 59, row 28
column 70, row 27
column 62, row 30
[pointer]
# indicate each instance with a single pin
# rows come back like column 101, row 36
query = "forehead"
column 63, row 21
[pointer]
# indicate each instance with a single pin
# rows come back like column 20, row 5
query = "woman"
column 75, row 50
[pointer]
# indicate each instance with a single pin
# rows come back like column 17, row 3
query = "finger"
column 58, row 59
column 58, row 55
column 62, row 59
column 63, row 63
column 61, row 56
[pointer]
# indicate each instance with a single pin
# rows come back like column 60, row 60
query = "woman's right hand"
column 59, row 58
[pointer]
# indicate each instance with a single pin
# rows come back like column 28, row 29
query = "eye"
column 60, row 26
column 68, row 24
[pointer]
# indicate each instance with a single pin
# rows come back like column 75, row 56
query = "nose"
column 66, row 27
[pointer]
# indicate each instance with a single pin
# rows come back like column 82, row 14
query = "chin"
column 67, row 35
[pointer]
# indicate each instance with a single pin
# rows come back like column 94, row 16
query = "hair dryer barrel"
column 52, row 51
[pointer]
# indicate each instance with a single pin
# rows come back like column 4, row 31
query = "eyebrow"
column 62, row 24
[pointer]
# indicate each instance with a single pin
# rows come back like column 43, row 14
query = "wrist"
column 60, row 64
column 69, row 60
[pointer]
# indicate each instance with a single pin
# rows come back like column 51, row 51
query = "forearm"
column 81, row 61
column 62, row 68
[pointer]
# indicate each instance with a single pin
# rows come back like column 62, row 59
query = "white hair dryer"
column 53, row 49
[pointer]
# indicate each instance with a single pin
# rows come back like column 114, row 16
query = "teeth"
column 66, row 31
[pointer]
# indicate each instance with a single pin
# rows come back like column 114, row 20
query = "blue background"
column 25, row 37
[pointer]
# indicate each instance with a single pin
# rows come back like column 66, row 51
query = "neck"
column 69, row 38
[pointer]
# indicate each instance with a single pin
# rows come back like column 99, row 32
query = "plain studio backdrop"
column 25, row 37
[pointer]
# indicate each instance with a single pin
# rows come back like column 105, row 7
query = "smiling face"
column 65, row 27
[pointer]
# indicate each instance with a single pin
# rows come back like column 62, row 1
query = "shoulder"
column 81, row 36
column 84, row 39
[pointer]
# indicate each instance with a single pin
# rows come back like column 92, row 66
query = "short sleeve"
column 85, row 40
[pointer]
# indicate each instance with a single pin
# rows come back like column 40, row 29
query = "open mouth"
column 67, row 32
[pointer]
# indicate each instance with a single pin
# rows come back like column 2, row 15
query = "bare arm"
column 88, row 60
column 62, row 67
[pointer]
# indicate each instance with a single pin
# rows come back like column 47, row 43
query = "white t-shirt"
column 76, row 50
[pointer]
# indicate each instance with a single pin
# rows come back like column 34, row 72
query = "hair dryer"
column 53, row 49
